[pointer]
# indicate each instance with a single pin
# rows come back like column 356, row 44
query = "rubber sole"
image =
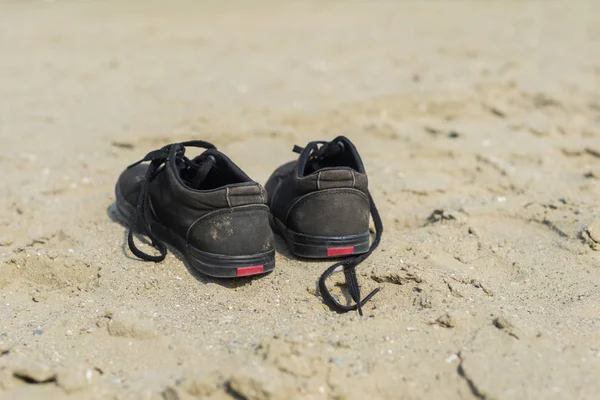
column 214, row 265
column 309, row 246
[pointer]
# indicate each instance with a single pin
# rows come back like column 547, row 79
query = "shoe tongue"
column 332, row 148
column 321, row 158
column 201, row 159
column 205, row 163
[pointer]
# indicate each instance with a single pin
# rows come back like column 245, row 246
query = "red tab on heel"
column 339, row 251
column 247, row 271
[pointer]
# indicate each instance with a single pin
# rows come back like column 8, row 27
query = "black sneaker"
column 321, row 205
column 207, row 208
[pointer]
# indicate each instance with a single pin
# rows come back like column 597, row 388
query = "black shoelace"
column 142, row 210
column 348, row 265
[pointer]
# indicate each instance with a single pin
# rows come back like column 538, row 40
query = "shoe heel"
column 222, row 266
column 309, row 246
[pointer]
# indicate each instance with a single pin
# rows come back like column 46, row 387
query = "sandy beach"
column 479, row 126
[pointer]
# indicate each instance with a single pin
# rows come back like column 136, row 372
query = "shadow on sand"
column 115, row 216
column 280, row 247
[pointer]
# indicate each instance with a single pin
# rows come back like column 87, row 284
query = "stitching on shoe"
column 244, row 194
column 335, row 179
column 262, row 194
column 319, row 181
column 227, row 197
column 353, row 178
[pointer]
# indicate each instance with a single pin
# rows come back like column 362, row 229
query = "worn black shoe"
column 207, row 208
column 321, row 205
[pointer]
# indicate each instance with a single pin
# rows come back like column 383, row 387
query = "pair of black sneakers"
column 220, row 219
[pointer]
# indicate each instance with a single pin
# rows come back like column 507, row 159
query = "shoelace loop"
column 142, row 210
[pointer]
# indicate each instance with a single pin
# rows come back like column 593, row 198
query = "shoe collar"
column 316, row 151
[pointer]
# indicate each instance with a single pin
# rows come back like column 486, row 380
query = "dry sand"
column 479, row 124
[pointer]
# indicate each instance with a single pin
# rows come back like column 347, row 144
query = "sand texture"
column 479, row 125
